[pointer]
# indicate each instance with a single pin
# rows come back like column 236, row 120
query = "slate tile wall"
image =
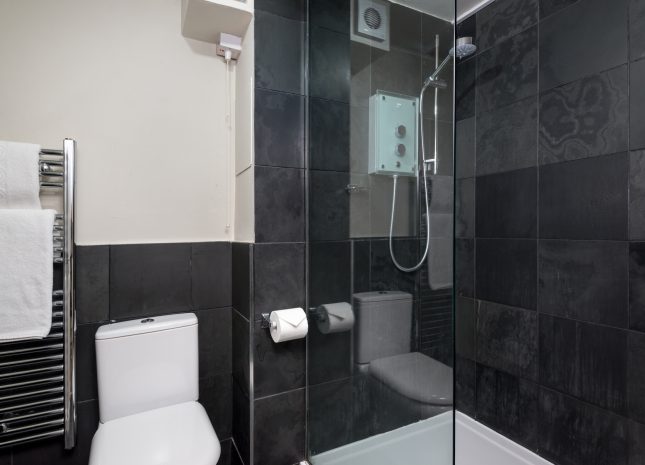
column 550, row 268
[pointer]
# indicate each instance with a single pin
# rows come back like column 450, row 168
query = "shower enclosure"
column 380, row 231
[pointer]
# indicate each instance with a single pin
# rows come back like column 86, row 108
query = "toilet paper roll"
column 335, row 318
column 288, row 324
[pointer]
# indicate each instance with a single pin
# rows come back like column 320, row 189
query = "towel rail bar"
column 37, row 377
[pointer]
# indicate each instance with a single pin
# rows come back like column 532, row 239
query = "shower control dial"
column 400, row 150
column 400, row 131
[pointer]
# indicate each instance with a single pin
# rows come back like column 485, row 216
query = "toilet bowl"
column 148, row 389
column 411, row 385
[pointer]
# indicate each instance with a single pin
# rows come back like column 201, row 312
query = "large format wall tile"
column 584, row 199
column 637, row 286
column 279, row 67
column 518, row 419
column 330, row 270
column 637, row 195
column 585, row 118
column 465, row 382
column 571, row 46
column 573, row 432
column 281, row 416
column 210, row 275
column 584, row 280
column 465, row 89
column 330, row 415
column 636, row 29
column 465, row 208
column 330, row 14
column 548, row 7
column 507, row 72
column 507, row 339
column 278, row 277
column 465, row 327
column 636, row 376
column 584, row 360
column 241, row 271
column 465, row 267
column 506, row 204
column 279, row 129
column 279, row 204
column 328, row 135
column 329, row 64
column 507, row 137
column 92, row 283
column 637, row 105
column 503, row 19
column 384, row 275
column 506, row 271
column 328, row 205
column 465, row 148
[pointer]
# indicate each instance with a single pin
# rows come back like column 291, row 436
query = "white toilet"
column 148, row 380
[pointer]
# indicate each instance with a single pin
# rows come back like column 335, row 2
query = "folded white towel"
column 19, row 183
column 26, row 274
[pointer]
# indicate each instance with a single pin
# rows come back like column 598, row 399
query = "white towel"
column 19, row 180
column 26, row 273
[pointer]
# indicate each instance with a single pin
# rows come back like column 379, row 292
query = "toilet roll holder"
column 266, row 322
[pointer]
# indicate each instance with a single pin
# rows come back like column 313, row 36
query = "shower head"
column 463, row 48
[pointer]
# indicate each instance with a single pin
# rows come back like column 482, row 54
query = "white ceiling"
column 444, row 9
column 467, row 7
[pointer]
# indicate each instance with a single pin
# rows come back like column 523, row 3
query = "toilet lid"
column 415, row 376
column 177, row 435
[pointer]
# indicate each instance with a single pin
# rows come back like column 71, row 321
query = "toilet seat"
column 415, row 376
column 180, row 434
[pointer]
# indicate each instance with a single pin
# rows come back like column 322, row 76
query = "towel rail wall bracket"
column 38, row 377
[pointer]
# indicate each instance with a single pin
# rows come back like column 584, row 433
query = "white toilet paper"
column 334, row 318
column 288, row 324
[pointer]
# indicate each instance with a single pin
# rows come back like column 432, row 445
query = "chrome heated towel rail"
column 37, row 377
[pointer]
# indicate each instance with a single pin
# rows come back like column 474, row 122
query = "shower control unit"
column 393, row 134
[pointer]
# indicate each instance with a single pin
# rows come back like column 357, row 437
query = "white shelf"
column 205, row 19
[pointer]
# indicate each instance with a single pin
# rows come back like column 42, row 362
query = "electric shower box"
column 393, row 134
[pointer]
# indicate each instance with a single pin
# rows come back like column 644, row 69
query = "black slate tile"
column 506, row 204
column 637, row 105
column 360, row 266
column 330, row 355
column 548, row 7
column 328, row 205
column 211, row 274
column 585, row 118
column 584, row 360
column 465, row 208
column 637, row 286
column 279, row 277
column 584, row 280
column 92, row 283
column 636, row 29
column 637, row 195
column 293, row 9
column 465, row 148
column 242, row 271
column 279, row 204
column 240, row 349
column 507, row 138
column 329, row 64
column 506, row 271
column 330, row 14
column 215, row 336
column 279, row 54
column 465, row 89
column 330, row 415
column 86, row 382
column 507, row 72
column 279, row 129
column 636, row 376
column 585, row 199
column 330, row 270
column 328, row 135
column 465, row 382
column 465, row 327
column 149, row 279
column 574, row 432
column 636, row 443
column 465, row 267
column 570, row 46
column 405, row 28
column 384, row 275
column 276, row 367
column 281, row 416
column 216, row 395
column 395, row 71
column 518, row 419
column 504, row 18
column 242, row 422
column 507, row 339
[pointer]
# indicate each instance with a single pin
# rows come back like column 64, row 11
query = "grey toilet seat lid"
column 415, row 376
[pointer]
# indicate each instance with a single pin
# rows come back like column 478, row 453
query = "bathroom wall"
column 550, row 263
column 146, row 105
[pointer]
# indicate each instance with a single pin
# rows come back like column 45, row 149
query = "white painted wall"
column 146, row 105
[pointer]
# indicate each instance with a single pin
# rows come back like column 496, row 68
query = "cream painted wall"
column 146, row 105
